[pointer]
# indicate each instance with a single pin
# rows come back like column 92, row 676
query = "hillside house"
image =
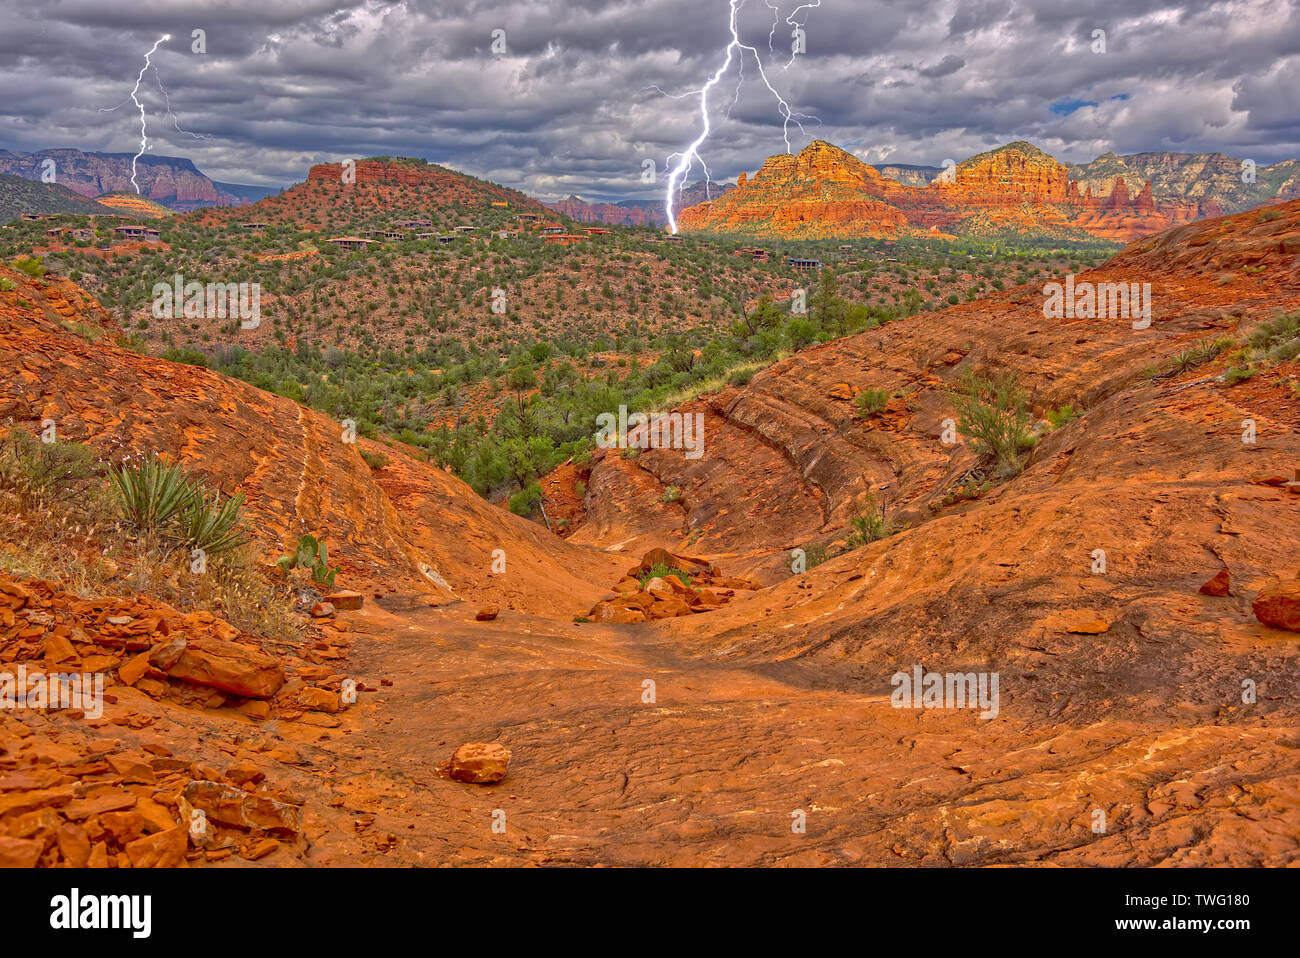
column 74, row 233
column 596, row 231
column 552, row 229
column 351, row 242
column 803, row 265
column 528, row 217
column 145, row 234
column 253, row 227
column 500, row 203
column 32, row 217
column 564, row 239
column 466, row 229
column 415, row 224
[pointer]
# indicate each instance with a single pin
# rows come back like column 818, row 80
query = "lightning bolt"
column 144, row 137
column 175, row 122
column 736, row 49
column 791, row 22
column 134, row 98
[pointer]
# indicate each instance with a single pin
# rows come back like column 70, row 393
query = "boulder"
column 487, row 613
column 480, row 763
column 657, row 557
column 228, row 667
column 1278, row 606
column 322, row 610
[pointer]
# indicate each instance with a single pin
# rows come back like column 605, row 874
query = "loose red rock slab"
column 480, row 763
column 229, row 667
column 165, row 849
column 487, row 613
column 322, row 610
column 345, row 601
column 1278, row 606
column 1219, row 585
column 232, row 806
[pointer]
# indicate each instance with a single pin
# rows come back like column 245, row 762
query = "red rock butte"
column 824, row 191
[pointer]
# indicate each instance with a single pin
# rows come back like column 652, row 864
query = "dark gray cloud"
column 571, row 104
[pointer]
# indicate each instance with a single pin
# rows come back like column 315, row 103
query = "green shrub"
column 671, row 494
column 53, row 471
column 375, row 460
column 994, row 411
column 1237, row 374
column 31, row 266
column 869, row 525
column 1066, row 414
column 1278, row 340
column 662, row 571
column 7, row 285
column 814, row 554
column 872, row 401
column 526, row 501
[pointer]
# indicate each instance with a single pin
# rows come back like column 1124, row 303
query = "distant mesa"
column 170, row 181
column 636, row 212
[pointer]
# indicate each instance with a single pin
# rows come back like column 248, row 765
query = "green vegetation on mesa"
column 401, row 339
column 19, row 195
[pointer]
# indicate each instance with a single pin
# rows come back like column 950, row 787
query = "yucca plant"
column 210, row 524
column 151, row 494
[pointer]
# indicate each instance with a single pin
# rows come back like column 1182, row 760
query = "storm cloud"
column 584, row 91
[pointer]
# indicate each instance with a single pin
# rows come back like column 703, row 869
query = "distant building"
column 528, row 217
column 350, row 242
column 414, row 224
column 253, row 226
column 146, row 234
column 596, row 231
column 674, row 238
column 78, row 234
column 466, row 229
column 32, row 217
column 446, row 239
column 500, row 203
column 564, row 239
column 803, row 265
